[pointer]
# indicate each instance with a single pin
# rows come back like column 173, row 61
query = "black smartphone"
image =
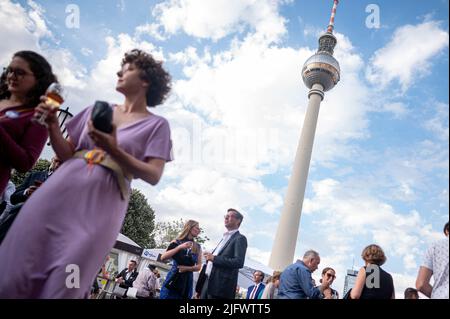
column 102, row 115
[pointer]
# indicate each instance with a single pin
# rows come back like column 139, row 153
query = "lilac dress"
column 74, row 218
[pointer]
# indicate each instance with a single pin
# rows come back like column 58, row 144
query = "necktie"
column 252, row 295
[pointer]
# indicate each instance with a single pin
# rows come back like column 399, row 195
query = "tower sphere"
column 322, row 68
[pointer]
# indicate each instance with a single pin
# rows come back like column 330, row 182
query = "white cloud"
column 363, row 216
column 86, row 51
column 23, row 29
column 121, row 5
column 154, row 30
column 198, row 190
column 251, row 86
column 411, row 171
column 70, row 72
column 408, row 56
column 398, row 109
column 438, row 124
column 444, row 198
column 36, row 15
column 403, row 281
column 312, row 31
column 217, row 19
column 260, row 256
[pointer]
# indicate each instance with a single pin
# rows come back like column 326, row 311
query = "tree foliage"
column 139, row 224
column 40, row 166
column 165, row 232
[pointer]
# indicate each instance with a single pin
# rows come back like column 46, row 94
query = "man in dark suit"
column 255, row 291
column 223, row 264
column 32, row 182
column 126, row 277
column 5, row 198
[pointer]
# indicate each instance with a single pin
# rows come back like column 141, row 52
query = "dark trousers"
column 204, row 294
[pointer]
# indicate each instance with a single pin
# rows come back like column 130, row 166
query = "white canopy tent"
column 127, row 250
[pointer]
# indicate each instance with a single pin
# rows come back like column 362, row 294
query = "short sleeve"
column 77, row 124
column 428, row 259
column 172, row 246
column 159, row 143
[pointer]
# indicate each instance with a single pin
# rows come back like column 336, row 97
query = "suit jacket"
column 128, row 282
column 259, row 292
column 19, row 196
column 223, row 279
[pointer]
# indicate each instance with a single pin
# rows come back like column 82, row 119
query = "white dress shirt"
column 253, row 293
column 226, row 237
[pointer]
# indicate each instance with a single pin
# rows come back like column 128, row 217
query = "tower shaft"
column 286, row 237
column 320, row 73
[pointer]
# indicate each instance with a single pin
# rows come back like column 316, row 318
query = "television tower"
column 320, row 73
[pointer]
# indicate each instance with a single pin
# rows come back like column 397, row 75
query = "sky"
column 380, row 165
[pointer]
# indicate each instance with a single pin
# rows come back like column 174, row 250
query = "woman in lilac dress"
column 67, row 228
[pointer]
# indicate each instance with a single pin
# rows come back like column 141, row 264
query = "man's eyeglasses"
column 17, row 72
column 228, row 216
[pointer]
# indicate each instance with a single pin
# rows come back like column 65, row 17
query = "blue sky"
column 379, row 170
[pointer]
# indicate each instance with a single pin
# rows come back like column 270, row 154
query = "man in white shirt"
column 126, row 277
column 435, row 264
column 224, row 262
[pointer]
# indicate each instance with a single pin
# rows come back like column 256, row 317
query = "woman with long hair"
column 67, row 228
column 22, row 83
column 187, row 258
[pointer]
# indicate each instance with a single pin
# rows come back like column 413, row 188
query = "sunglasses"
column 331, row 275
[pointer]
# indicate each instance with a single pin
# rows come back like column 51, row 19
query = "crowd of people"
column 218, row 274
column 294, row 282
column 44, row 227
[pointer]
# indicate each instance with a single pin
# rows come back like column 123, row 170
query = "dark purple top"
column 21, row 142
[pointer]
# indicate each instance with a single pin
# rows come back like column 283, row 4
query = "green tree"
column 40, row 166
column 139, row 223
column 165, row 232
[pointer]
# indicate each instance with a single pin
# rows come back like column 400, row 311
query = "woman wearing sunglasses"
column 21, row 85
column 328, row 273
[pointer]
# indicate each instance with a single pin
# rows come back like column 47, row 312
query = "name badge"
column 12, row 114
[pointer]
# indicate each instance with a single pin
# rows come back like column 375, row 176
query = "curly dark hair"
column 42, row 71
column 152, row 72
